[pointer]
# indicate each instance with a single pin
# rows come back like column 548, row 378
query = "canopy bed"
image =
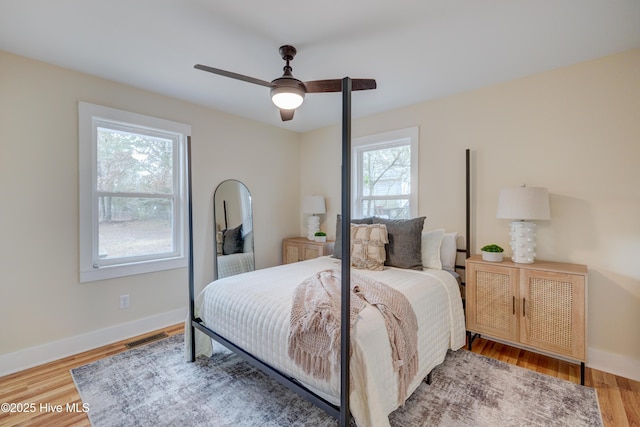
column 251, row 314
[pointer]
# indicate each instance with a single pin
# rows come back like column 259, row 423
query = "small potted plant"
column 321, row 236
column 492, row 253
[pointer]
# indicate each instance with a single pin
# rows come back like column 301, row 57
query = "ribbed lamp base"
column 523, row 242
column 313, row 225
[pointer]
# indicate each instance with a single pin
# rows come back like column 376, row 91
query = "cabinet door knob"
column 524, row 301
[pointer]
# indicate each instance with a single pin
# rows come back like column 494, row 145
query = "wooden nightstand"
column 539, row 306
column 296, row 249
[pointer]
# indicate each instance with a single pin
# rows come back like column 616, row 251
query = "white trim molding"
column 45, row 353
column 618, row 364
column 93, row 266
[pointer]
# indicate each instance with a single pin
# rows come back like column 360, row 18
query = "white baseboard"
column 623, row 366
column 38, row 355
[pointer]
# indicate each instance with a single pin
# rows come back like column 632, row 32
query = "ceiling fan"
column 287, row 92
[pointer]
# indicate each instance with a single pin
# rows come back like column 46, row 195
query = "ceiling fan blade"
column 335, row 85
column 319, row 86
column 286, row 115
column 363, row 84
column 233, row 75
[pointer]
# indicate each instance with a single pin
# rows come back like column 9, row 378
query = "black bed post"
column 345, row 339
column 192, row 347
column 468, row 203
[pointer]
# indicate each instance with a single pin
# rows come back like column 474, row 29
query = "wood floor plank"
column 514, row 355
column 619, row 397
column 563, row 370
column 610, row 400
column 543, row 365
column 630, row 393
column 619, row 410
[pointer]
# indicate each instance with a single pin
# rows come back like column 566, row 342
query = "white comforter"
column 252, row 310
column 230, row 265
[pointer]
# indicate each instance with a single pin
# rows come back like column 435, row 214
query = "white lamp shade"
column 313, row 205
column 524, row 203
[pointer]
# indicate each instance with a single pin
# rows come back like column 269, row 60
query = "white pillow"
column 448, row 251
column 431, row 243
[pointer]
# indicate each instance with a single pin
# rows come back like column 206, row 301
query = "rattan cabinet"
column 539, row 306
column 296, row 249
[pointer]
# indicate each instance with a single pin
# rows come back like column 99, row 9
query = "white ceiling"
column 416, row 49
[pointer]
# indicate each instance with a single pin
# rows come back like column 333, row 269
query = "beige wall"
column 574, row 130
column 41, row 298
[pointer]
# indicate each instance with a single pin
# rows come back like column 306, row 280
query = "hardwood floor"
column 41, row 389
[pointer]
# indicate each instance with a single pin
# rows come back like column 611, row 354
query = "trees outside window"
column 385, row 171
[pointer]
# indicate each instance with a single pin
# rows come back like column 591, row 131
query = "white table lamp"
column 523, row 204
column 313, row 205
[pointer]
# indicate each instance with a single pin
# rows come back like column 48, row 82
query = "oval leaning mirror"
column 233, row 219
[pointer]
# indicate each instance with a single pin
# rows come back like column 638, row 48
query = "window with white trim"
column 385, row 175
column 133, row 207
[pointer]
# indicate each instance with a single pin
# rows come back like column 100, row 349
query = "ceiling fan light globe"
column 287, row 98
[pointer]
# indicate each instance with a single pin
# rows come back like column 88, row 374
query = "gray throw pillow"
column 337, row 246
column 232, row 242
column 405, row 242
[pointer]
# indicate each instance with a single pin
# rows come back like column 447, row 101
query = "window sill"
column 115, row 271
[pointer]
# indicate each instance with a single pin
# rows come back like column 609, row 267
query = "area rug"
column 153, row 385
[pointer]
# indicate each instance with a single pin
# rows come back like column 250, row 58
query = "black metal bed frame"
column 340, row 412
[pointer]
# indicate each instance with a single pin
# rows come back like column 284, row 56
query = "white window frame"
column 380, row 141
column 90, row 117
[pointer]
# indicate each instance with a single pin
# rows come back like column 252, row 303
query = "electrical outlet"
column 124, row 301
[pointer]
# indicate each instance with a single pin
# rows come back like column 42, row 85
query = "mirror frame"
column 220, row 208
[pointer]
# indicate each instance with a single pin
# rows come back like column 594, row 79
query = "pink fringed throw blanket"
column 314, row 335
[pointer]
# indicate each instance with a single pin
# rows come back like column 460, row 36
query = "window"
column 132, row 193
column 385, row 175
